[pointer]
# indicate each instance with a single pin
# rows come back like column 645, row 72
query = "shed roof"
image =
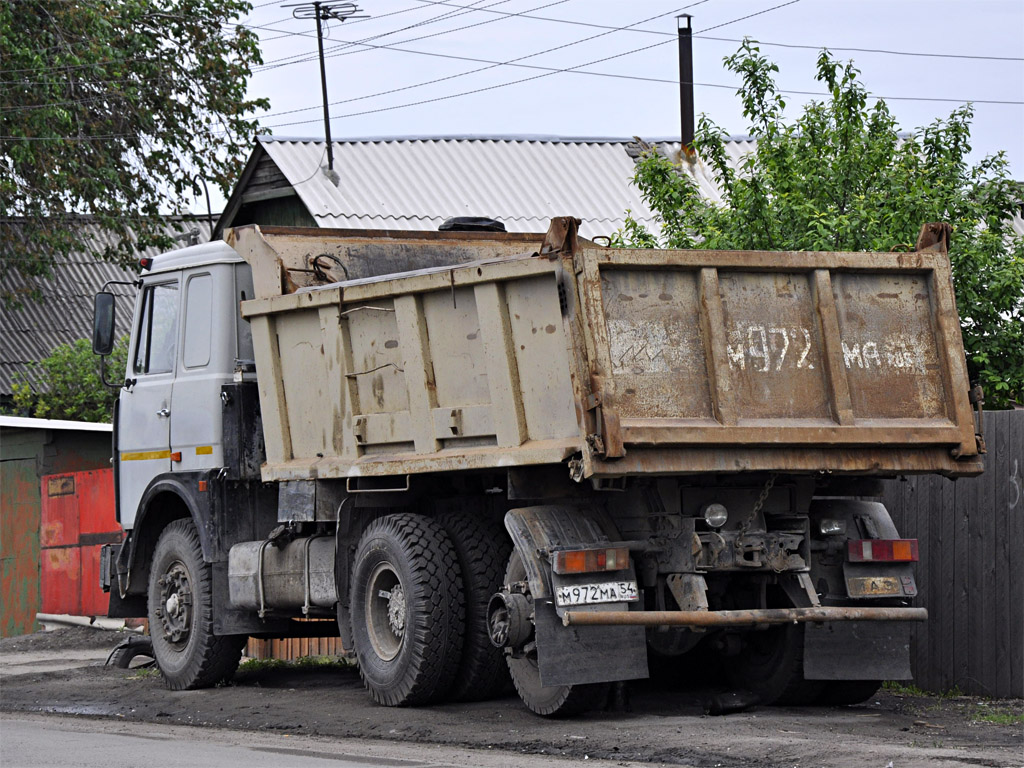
column 417, row 183
column 18, row 422
column 30, row 333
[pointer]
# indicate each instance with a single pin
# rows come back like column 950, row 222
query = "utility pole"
column 686, row 116
column 324, row 12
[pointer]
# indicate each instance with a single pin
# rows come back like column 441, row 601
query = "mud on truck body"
column 481, row 454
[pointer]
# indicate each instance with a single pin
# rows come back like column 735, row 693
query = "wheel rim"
column 386, row 611
column 175, row 609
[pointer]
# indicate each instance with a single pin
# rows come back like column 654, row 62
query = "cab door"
column 143, row 436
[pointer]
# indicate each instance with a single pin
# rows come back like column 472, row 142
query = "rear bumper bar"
column 740, row 618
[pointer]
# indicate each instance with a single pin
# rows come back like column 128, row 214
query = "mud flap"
column 857, row 650
column 593, row 654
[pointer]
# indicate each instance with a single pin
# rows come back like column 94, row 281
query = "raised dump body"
column 616, row 362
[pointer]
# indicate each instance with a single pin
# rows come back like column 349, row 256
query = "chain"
column 760, row 503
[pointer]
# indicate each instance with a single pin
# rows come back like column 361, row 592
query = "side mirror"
column 103, row 323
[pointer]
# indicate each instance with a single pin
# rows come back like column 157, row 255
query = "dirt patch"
column 661, row 721
column 62, row 638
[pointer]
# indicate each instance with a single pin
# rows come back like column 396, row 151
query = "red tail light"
column 146, row 263
column 882, row 551
column 590, row 560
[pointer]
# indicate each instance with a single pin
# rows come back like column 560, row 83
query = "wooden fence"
column 971, row 573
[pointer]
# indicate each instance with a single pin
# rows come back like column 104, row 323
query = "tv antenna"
column 322, row 12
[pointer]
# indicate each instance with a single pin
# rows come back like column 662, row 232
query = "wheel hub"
column 396, row 610
column 386, row 610
column 175, row 613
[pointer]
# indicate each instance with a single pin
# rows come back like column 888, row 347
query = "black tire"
column 133, row 647
column 550, row 701
column 180, row 608
column 840, row 693
column 771, row 665
column 408, row 612
column 483, row 549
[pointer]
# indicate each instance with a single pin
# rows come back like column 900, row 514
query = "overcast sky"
column 980, row 42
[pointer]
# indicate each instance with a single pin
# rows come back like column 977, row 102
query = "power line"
column 490, row 64
column 341, row 50
column 534, row 77
column 578, row 23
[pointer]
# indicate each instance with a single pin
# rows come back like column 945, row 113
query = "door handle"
column 164, row 412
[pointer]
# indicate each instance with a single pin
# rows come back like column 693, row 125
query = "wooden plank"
column 998, row 467
column 910, row 527
column 961, row 589
column 502, row 372
column 1015, row 535
column 933, row 515
column 947, row 603
column 976, row 508
column 419, row 371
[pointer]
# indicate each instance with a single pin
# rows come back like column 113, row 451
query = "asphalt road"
column 63, row 742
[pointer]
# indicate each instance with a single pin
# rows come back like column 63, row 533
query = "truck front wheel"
column 408, row 611
column 180, row 611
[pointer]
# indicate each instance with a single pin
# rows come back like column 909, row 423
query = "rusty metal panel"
column 774, row 346
column 96, row 502
column 61, row 576
column 780, row 361
column 60, row 525
column 889, row 347
column 657, row 349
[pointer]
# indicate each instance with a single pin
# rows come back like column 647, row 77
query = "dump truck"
column 479, row 455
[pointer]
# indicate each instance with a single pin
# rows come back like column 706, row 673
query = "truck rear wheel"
column 408, row 613
column 180, row 608
column 550, row 701
column 483, row 550
column 771, row 665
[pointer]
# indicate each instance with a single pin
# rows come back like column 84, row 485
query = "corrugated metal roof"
column 30, row 333
column 416, row 183
column 18, row 422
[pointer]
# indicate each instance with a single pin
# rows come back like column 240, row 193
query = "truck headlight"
column 716, row 515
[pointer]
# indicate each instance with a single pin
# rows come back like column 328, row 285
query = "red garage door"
column 78, row 518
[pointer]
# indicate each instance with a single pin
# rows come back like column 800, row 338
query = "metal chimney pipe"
column 686, row 116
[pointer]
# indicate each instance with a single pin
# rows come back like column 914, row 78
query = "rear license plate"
column 863, row 586
column 607, row 592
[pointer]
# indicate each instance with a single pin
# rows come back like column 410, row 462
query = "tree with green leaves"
column 841, row 177
column 116, row 109
column 69, row 384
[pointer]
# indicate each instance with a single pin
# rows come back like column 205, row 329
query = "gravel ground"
column 662, row 722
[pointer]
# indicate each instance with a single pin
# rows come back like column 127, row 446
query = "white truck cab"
column 188, row 340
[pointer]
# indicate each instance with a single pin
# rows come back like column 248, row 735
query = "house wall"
column 26, row 455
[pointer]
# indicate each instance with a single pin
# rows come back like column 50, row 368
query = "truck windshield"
column 158, row 329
